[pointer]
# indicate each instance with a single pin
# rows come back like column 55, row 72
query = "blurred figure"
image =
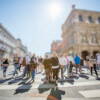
column 55, row 67
column 24, row 65
column 81, row 63
column 16, row 65
column 77, row 61
column 98, row 60
column 92, row 66
column 87, row 63
column 5, row 65
column 1, row 62
column 27, row 68
column 63, row 64
column 33, row 66
column 47, row 68
column 70, row 58
column 20, row 62
column 40, row 65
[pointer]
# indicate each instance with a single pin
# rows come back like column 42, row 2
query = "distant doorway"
column 84, row 54
column 94, row 53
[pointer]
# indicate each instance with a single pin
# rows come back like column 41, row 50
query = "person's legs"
column 70, row 69
column 98, row 66
column 15, row 69
column 65, row 68
column 76, row 68
column 57, row 73
column 33, row 75
column 19, row 67
column 50, row 75
column 95, row 70
column 62, row 77
column 91, row 69
column 25, row 71
column 80, row 68
column 4, row 71
column 54, row 76
column 47, row 73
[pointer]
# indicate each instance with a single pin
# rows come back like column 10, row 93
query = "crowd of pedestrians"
column 53, row 66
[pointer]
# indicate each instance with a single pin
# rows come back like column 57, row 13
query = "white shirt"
column 27, row 59
column 98, row 59
column 62, row 61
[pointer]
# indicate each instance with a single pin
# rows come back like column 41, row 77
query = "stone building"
column 9, row 45
column 81, row 33
column 21, row 50
column 56, row 46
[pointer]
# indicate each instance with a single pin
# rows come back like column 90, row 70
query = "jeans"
column 4, row 71
column 65, row 68
column 15, row 69
column 33, row 74
column 25, row 71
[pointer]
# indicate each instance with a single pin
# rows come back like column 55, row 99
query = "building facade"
column 21, row 50
column 56, row 46
column 9, row 45
column 81, row 33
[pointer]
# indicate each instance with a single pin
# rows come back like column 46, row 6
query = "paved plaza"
column 78, row 87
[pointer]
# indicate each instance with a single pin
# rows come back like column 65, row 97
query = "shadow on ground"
column 16, row 80
column 55, row 94
column 5, row 80
column 45, row 87
column 84, row 76
column 25, row 87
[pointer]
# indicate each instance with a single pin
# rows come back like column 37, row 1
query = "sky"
column 38, row 22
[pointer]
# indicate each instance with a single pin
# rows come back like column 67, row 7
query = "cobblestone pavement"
column 79, row 87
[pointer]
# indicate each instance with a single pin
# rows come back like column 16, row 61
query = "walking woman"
column 63, row 64
column 33, row 66
column 92, row 66
column 24, row 67
column 5, row 65
column 87, row 62
column 55, row 67
column 16, row 66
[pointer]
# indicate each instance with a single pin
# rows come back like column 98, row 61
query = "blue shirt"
column 77, row 60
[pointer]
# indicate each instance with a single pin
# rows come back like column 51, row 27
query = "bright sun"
column 55, row 9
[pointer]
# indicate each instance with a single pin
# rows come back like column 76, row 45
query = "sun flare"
column 55, row 9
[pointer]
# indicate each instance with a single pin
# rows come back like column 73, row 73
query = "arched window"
column 93, row 38
column 80, row 18
column 90, row 19
column 99, row 20
column 84, row 38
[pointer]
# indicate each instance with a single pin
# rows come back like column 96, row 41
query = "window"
column 99, row 20
column 84, row 38
column 71, row 39
column 93, row 38
column 80, row 18
column 90, row 19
